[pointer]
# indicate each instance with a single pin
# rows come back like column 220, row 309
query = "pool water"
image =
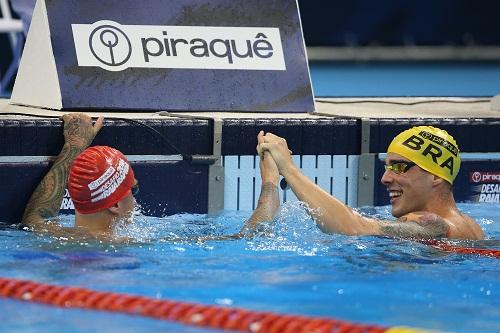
column 291, row 268
column 405, row 78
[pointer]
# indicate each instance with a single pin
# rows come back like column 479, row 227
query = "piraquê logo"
column 110, row 45
column 115, row 47
column 485, row 177
column 476, row 177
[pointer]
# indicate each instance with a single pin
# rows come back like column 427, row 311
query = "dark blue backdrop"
column 396, row 22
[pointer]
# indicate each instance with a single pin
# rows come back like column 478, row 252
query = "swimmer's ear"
column 437, row 180
column 114, row 209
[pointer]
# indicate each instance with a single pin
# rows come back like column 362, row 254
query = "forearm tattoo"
column 266, row 208
column 45, row 201
column 78, row 134
column 421, row 225
column 47, row 197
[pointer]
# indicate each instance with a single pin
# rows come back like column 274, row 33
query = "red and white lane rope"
column 208, row 316
column 447, row 247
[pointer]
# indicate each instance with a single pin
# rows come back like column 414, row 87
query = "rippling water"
column 290, row 267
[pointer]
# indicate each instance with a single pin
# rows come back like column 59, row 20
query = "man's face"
column 409, row 186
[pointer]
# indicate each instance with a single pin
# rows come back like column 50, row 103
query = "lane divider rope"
column 461, row 249
column 215, row 317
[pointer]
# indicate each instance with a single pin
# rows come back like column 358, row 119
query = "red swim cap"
column 98, row 178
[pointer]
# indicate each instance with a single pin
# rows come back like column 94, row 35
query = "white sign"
column 116, row 47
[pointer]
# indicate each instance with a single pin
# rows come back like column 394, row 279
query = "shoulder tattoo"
column 418, row 225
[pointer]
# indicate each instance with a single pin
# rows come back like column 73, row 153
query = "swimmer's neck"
column 98, row 222
column 442, row 203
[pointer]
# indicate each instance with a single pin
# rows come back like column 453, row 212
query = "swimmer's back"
column 462, row 226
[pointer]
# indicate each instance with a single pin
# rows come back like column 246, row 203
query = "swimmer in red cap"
column 97, row 202
column 421, row 165
column 102, row 185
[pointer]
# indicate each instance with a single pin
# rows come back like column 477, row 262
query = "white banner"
column 115, row 47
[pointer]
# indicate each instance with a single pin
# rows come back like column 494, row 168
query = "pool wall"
column 340, row 154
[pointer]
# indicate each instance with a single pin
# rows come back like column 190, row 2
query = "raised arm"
column 268, row 202
column 333, row 216
column 45, row 201
column 269, row 199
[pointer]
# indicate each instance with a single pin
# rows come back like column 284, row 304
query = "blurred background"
column 464, row 23
column 364, row 47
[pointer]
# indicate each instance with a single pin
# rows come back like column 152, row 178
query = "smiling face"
column 408, row 190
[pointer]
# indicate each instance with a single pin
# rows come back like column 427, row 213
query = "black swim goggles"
column 135, row 189
column 399, row 167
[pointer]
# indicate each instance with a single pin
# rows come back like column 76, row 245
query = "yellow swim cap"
column 431, row 148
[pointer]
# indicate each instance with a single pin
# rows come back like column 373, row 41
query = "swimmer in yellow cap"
column 420, row 167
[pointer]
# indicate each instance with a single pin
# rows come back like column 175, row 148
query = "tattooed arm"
column 268, row 202
column 418, row 225
column 265, row 210
column 45, row 201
